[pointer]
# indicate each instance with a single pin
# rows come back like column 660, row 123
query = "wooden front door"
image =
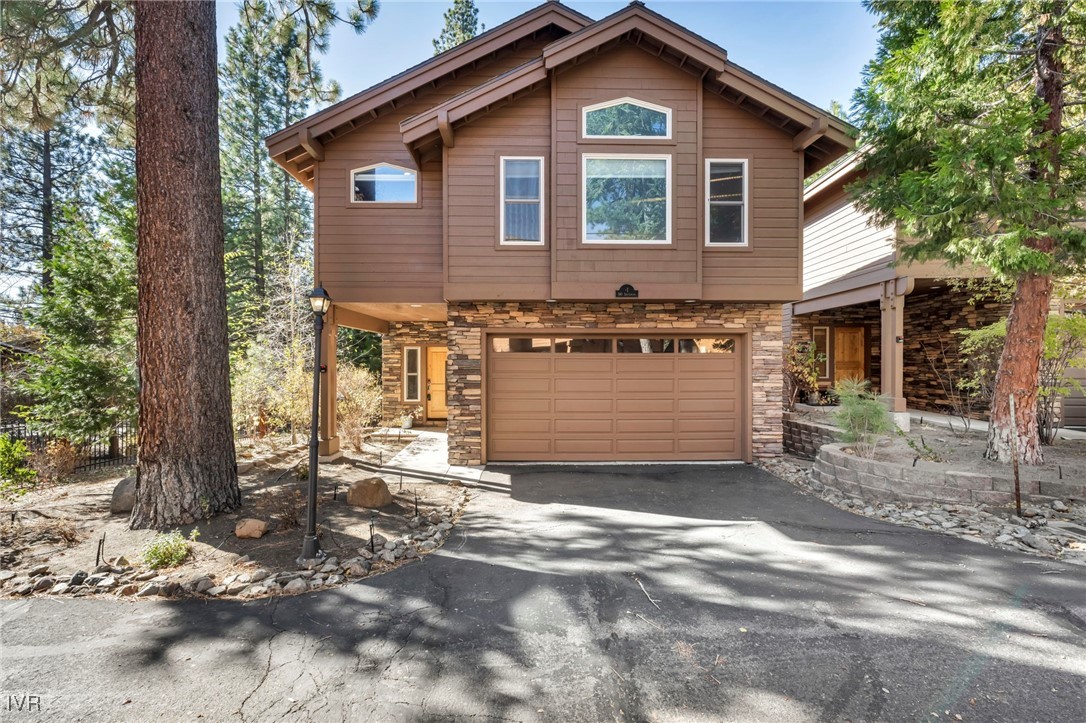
column 849, row 353
column 436, row 406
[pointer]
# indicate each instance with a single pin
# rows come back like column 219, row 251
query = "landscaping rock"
column 428, row 546
column 145, row 576
column 60, row 588
column 44, row 583
column 149, row 590
column 360, row 568
column 6, row 575
column 38, row 570
column 203, row 584
column 25, row 589
column 295, row 586
column 370, row 493
column 259, row 574
column 78, row 579
column 129, row 589
column 1059, row 506
column 124, row 497
column 388, row 556
column 106, row 583
column 216, row 591
column 251, row 529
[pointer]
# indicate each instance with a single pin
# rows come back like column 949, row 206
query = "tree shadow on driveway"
column 694, row 593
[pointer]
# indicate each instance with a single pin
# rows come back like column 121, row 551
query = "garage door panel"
column 647, row 365
column 566, row 407
column 646, row 426
column 522, row 407
column 502, row 386
column 727, row 426
column 646, row 385
column 614, row 406
column 581, row 385
column 646, row 406
column 690, row 406
column 584, row 426
column 580, row 445
column 585, row 364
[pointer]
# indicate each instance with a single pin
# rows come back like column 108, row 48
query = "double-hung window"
column 626, row 198
column 726, row 202
column 521, row 201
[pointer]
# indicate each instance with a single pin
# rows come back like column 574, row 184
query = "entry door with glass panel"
column 436, row 404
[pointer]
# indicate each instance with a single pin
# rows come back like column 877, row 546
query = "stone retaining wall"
column 804, row 438
column 887, row 481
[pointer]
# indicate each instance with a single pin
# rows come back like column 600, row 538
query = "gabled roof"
column 821, row 136
column 299, row 146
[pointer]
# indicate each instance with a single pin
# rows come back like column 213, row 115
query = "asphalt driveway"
column 765, row 605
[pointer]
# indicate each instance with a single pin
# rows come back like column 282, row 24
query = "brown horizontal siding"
column 474, row 258
column 626, row 71
column 392, row 253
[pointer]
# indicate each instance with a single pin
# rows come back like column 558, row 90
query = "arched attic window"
column 626, row 118
column 384, row 183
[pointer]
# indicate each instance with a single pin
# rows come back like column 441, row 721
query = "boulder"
column 124, row 497
column 250, row 528
column 370, row 493
column 295, row 586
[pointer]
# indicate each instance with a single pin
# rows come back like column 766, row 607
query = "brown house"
column 575, row 238
column 871, row 315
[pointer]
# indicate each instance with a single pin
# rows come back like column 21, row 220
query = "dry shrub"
column 359, row 403
column 56, row 462
column 286, row 504
column 17, row 534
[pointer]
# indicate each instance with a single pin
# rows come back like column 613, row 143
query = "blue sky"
column 813, row 49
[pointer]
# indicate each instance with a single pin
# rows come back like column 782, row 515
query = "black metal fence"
column 115, row 449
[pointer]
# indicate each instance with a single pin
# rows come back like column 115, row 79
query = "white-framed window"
column 412, row 374
column 820, row 338
column 521, row 212
column 726, row 202
column 384, row 183
column 626, row 118
column 625, row 198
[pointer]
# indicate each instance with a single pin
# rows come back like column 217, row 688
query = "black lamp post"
column 320, row 301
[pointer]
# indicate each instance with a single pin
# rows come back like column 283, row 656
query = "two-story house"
column 575, row 237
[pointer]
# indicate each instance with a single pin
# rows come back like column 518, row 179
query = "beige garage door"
column 596, row 398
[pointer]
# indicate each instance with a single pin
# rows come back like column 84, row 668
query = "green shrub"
column 861, row 415
column 16, row 475
column 169, row 549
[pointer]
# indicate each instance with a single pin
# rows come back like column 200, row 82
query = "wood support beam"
column 444, row 127
column 357, row 320
column 816, row 130
column 311, row 145
column 892, row 329
column 329, row 433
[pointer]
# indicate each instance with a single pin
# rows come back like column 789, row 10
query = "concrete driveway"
column 769, row 606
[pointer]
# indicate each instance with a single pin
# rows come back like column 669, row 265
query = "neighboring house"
column 870, row 316
column 575, row 237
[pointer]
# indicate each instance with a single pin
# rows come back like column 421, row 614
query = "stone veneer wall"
column 466, row 321
column 400, row 335
column 886, row 481
column 866, row 315
column 930, row 321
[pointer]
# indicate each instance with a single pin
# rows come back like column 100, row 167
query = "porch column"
column 892, row 307
column 329, row 434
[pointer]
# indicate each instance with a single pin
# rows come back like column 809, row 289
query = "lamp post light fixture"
column 320, row 303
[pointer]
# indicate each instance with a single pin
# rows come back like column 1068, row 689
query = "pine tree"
column 972, row 114
column 83, row 378
column 461, row 25
column 41, row 171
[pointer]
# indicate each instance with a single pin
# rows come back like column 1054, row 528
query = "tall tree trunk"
column 46, row 209
column 1020, row 363
column 258, row 235
column 186, row 466
column 1019, row 373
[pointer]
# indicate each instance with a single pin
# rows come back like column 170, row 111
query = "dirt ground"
column 938, row 448
column 63, row 526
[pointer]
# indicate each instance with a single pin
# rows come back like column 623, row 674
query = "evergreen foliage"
column 461, row 25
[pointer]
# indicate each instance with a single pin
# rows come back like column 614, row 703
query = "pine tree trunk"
column 1019, row 372
column 46, row 210
column 186, row 466
column 1020, row 363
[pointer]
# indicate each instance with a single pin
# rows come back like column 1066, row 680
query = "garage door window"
column 707, row 346
column 646, row 346
column 587, row 345
column 537, row 345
